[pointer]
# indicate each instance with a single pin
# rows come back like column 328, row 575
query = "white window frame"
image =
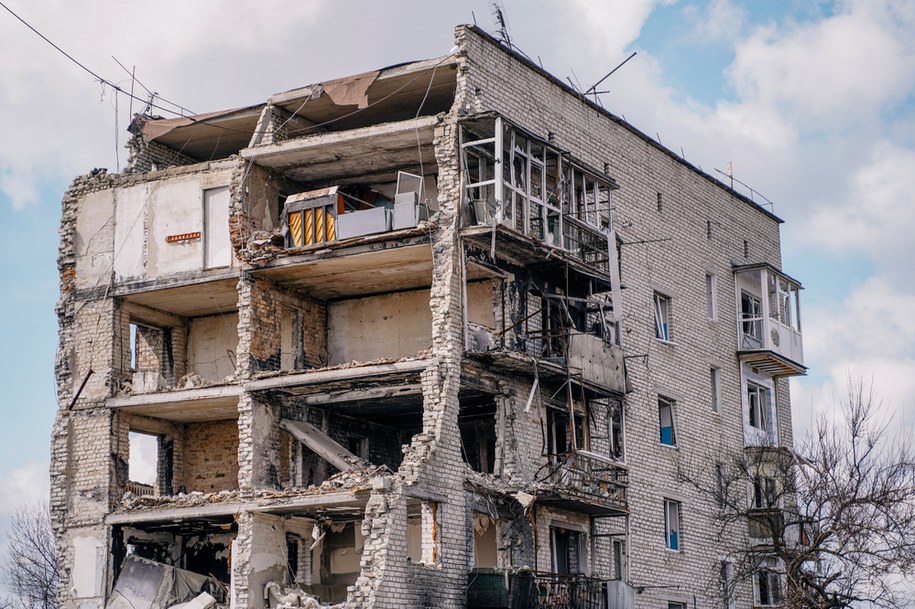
column 758, row 408
column 671, row 405
column 673, row 525
column 773, row 594
column 711, row 295
column 661, row 305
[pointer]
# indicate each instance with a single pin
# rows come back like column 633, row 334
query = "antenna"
column 593, row 88
column 498, row 13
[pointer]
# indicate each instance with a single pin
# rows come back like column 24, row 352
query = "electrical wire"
column 83, row 66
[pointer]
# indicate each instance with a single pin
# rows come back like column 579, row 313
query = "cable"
column 74, row 60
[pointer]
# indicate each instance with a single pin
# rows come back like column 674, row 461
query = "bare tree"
column 29, row 568
column 826, row 526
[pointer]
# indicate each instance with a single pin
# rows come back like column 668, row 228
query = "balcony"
column 585, row 481
column 492, row 588
column 529, row 193
column 769, row 324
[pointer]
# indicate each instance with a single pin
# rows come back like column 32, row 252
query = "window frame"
column 673, row 524
column 772, row 593
column 758, row 410
column 670, row 404
column 711, row 296
column 661, row 307
column 715, row 388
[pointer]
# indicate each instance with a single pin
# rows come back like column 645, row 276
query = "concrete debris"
column 281, row 597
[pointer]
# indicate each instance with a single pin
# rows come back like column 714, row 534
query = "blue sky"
column 811, row 101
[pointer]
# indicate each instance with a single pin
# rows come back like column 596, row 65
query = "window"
column 727, row 584
column 559, row 434
column 711, row 296
column 672, row 524
column 764, row 493
column 666, row 418
column 751, row 321
column 767, row 584
column 676, row 605
column 758, row 406
column 615, row 422
column 714, row 380
column 568, row 551
column 423, row 533
column 661, row 317
column 618, row 568
column 721, row 486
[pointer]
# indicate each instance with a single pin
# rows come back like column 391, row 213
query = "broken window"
column 150, row 357
column 477, row 421
column 672, row 524
column 423, row 533
column 619, row 566
column 143, row 464
column 662, row 317
column 569, row 551
column 666, row 418
column 564, row 434
column 616, row 435
column 758, row 406
column 751, row 320
column 485, row 541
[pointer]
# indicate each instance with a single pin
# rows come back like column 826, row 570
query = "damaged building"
column 430, row 336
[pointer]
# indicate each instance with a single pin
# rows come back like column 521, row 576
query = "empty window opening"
column 143, row 464
column 715, row 387
column 477, row 421
column 569, row 551
column 423, row 532
column 711, row 296
column 485, row 541
column 672, row 524
column 341, row 555
column 292, row 557
column 616, row 431
column 564, row 434
column 359, row 446
column 662, row 317
column 618, row 568
column 667, row 423
column 133, row 347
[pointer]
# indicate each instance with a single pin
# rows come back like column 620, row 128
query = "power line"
column 83, row 66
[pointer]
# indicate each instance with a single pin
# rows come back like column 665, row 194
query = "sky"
column 810, row 101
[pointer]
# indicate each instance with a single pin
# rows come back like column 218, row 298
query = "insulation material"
column 352, row 91
column 146, row 584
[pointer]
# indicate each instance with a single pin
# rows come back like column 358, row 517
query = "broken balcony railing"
column 492, row 588
column 589, row 477
column 572, row 591
column 518, row 181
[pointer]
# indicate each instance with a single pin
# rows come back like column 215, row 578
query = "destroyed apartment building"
column 431, row 336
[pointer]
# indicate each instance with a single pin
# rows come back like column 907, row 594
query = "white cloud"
column 26, row 485
column 615, row 24
column 848, row 66
column 878, row 216
column 721, row 21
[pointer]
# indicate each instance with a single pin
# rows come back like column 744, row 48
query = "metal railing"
column 590, row 477
column 573, row 591
column 140, row 489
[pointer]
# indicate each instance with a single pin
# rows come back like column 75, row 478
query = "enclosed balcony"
column 531, row 192
column 768, row 321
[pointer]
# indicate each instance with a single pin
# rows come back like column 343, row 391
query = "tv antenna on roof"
column 498, row 13
column 592, row 90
